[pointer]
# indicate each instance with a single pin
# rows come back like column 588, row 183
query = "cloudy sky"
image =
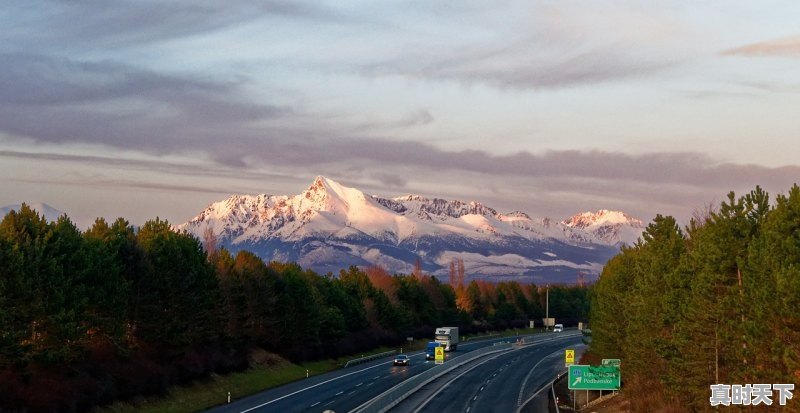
column 152, row 108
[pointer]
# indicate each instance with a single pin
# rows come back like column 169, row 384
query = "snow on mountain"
column 329, row 226
column 611, row 227
column 49, row 213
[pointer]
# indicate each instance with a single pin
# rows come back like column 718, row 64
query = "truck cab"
column 430, row 350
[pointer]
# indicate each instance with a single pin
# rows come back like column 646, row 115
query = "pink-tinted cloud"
column 786, row 46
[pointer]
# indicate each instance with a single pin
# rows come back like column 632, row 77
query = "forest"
column 715, row 302
column 117, row 311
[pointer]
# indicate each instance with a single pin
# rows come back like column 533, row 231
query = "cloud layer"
column 787, row 47
column 514, row 104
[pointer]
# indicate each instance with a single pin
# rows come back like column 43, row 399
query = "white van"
column 558, row 328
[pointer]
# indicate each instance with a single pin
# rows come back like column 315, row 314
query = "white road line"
column 311, row 387
column 370, row 384
column 475, row 398
column 359, row 384
column 468, row 409
column 315, row 404
column 339, row 393
column 527, row 377
column 351, row 393
column 481, row 388
column 354, row 372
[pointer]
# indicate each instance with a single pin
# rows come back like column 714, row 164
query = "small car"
column 401, row 360
column 558, row 328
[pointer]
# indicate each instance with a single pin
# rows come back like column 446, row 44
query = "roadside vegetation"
column 118, row 313
column 715, row 302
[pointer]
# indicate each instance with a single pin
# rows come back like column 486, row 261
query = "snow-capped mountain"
column 329, row 226
column 49, row 213
column 611, row 227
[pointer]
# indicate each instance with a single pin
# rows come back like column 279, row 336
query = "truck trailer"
column 447, row 337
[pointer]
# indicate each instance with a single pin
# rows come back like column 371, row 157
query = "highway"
column 344, row 390
column 500, row 382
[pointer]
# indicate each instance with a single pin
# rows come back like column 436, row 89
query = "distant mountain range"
column 329, row 226
column 50, row 213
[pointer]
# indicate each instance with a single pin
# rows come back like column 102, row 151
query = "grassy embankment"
column 214, row 391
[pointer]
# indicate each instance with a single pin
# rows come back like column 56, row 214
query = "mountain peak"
column 610, row 226
column 328, row 226
column 601, row 217
column 47, row 211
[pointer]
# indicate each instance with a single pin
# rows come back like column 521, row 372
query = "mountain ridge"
column 329, row 226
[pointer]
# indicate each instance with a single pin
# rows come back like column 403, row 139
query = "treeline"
column 115, row 312
column 716, row 302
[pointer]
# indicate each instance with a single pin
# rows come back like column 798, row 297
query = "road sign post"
column 582, row 377
column 439, row 355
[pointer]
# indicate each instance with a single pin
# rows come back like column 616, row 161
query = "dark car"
column 401, row 360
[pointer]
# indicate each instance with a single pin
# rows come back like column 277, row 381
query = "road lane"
column 500, row 383
column 345, row 389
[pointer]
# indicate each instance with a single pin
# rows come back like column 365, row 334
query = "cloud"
column 521, row 67
column 390, row 180
column 65, row 101
column 786, row 47
column 541, row 46
column 553, row 183
column 53, row 24
column 419, row 117
column 194, row 169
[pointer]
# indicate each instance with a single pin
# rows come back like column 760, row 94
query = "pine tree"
column 654, row 304
column 177, row 287
column 610, row 310
column 772, row 288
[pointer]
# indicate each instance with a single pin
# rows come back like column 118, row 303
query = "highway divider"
column 390, row 398
column 360, row 360
column 481, row 337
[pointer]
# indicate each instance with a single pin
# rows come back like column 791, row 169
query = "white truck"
column 447, row 337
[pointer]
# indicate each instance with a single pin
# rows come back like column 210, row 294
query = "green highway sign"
column 611, row 362
column 583, row 377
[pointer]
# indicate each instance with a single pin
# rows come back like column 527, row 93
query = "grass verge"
column 208, row 393
column 203, row 395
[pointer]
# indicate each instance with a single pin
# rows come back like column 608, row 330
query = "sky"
column 152, row 108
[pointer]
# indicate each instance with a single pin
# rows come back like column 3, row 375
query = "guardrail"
column 390, row 398
column 360, row 360
column 481, row 337
column 549, row 385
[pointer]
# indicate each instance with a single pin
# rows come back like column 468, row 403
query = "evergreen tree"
column 107, row 289
column 177, row 288
column 772, row 288
column 300, row 306
column 610, row 306
column 654, row 304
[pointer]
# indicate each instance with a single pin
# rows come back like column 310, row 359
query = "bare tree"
column 418, row 268
column 209, row 241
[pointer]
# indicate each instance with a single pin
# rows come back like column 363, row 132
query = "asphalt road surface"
column 345, row 389
column 498, row 383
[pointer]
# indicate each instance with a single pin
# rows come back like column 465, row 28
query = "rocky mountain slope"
column 329, row 226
